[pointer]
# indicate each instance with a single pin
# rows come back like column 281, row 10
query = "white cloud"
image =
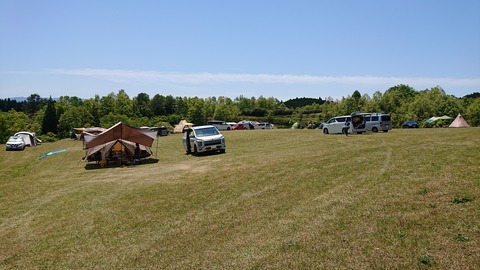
column 119, row 76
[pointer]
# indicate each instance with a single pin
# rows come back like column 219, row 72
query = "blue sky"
column 282, row 49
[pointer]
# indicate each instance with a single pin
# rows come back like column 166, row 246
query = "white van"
column 378, row 121
column 203, row 139
column 220, row 125
column 336, row 124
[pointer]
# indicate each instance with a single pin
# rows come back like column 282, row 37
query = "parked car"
column 15, row 143
column 161, row 130
column 220, row 125
column 264, row 125
column 203, row 139
column 335, row 125
column 409, row 124
column 376, row 122
column 240, row 127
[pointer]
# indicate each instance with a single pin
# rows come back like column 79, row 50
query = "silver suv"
column 220, row 125
column 203, row 139
column 264, row 125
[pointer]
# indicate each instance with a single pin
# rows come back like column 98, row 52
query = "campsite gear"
column 459, row 122
column 52, row 153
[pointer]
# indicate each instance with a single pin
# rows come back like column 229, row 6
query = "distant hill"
column 19, row 99
column 300, row 102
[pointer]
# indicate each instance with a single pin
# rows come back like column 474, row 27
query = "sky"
column 251, row 48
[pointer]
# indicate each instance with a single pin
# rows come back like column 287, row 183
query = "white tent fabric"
column 29, row 138
column 459, row 122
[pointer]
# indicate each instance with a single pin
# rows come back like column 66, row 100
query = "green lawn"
column 278, row 199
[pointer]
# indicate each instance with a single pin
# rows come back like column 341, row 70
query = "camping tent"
column 29, row 138
column 121, row 131
column 459, row 122
column 181, row 125
column 121, row 136
column 101, row 152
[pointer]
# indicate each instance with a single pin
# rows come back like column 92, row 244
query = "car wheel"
column 385, row 131
column 325, row 131
column 374, row 129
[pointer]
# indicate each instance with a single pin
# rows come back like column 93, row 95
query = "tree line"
column 52, row 119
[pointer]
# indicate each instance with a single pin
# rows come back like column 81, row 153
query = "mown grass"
column 278, row 199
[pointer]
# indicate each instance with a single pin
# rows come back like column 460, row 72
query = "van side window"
column 367, row 118
column 374, row 118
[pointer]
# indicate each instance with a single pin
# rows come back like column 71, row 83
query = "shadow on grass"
column 116, row 164
column 206, row 154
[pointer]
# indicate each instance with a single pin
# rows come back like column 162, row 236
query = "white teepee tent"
column 459, row 122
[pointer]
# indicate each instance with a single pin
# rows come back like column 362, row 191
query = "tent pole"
column 156, row 151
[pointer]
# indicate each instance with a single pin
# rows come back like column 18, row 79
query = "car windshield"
column 15, row 139
column 209, row 131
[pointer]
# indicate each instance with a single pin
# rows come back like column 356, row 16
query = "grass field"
column 278, row 199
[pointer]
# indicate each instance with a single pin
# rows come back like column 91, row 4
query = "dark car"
column 409, row 124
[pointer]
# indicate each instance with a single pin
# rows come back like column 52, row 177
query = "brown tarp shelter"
column 101, row 152
column 459, row 122
column 121, row 131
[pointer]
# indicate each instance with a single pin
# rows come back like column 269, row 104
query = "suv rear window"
column 385, row 117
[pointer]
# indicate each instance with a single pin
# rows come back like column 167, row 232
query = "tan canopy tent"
column 121, row 136
column 121, row 131
column 459, row 122
column 100, row 152
column 182, row 124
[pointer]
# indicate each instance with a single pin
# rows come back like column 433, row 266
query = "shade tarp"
column 433, row 119
column 121, row 131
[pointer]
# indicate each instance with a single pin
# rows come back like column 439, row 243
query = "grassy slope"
column 276, row 199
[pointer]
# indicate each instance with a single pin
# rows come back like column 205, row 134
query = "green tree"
column 196, row 111
column 12, row 122
column 157, row 105
column 93, row 107
column 143, row 105
column 50, row 120
column 107, row 104
column 472, row 113
column 75, row 117
column 123, row 104
column 33, row 104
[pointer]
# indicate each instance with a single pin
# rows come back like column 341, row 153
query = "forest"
column 53, row 119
